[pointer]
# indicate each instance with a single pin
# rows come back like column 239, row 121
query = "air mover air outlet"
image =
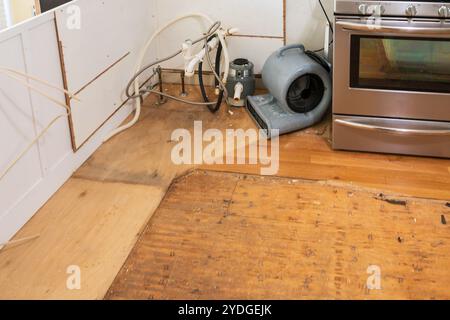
column 305, row 93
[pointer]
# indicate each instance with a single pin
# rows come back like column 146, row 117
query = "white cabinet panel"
column 41, row 42
column 17, row 128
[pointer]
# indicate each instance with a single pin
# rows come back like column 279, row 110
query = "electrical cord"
column 320, row 50
column 320, row 60
column 326, row 16
column 329, row 24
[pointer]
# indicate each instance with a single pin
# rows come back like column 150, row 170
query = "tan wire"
column 30, row 145
column 45, row 130
column 71, row 95
column 18, row 241
column 42, row 93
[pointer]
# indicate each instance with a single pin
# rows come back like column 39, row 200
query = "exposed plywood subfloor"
column 137, row 163
column 230, row 236
column 89, row 224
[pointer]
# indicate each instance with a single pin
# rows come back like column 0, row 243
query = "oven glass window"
column 400, row 64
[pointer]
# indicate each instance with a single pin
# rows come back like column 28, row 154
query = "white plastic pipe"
column 142, row 56
column 238, row 90
column 190, row 68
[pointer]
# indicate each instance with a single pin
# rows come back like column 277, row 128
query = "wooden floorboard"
column 308, row 155
column 230, row 236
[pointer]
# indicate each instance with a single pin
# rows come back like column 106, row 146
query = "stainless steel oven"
column 392, row 77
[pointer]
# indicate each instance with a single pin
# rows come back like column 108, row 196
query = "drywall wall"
column 305, row 22
column 100, row 56
column 32, row 47
column 265, row 25
column 257, row 38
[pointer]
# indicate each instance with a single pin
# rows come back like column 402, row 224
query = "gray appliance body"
column 300, row 92
column 241, row 71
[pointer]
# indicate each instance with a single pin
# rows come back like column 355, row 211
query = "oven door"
column 397, row 69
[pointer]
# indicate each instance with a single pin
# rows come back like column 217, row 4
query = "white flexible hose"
column 141, row 60
column 226, row 55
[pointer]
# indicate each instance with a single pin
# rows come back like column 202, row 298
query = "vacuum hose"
column 202, row 85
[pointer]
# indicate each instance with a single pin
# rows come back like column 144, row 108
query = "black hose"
column 202, row 85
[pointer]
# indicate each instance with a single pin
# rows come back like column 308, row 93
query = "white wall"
column 260, row 22
column 100, row 57
column 31, row 47
column 305, row 22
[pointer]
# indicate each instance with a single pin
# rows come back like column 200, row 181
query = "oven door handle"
column 352, row 26
column 402, row 131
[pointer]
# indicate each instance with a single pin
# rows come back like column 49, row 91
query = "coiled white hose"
column 137, row 113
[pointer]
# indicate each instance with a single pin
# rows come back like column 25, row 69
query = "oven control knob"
column 362, row 9
column 375, row 10
column 411, row 11
column 444, row 12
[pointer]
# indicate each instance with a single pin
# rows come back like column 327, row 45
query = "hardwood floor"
column 128, row 176
column 309, row 156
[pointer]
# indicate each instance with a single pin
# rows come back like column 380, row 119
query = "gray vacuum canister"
column 300, row 91
column 241, row 82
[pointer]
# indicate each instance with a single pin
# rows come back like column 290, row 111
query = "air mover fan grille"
column 305, row 93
